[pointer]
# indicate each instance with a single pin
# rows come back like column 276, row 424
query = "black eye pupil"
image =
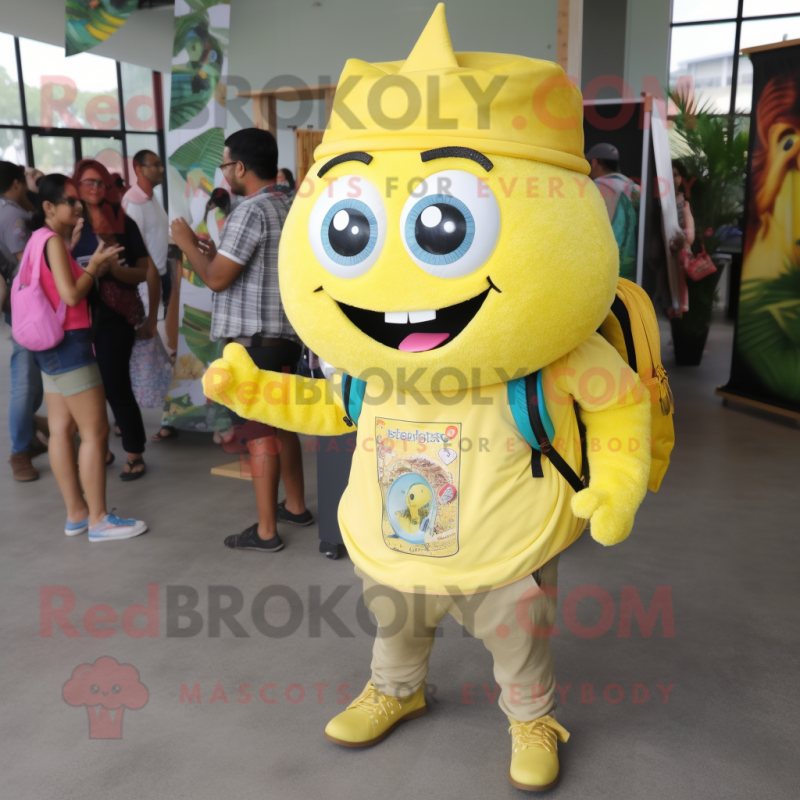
column 440, row 229
column 788, row 144
column 411, row 497
column 94, row 688
column 116, row 688
column 348, row 232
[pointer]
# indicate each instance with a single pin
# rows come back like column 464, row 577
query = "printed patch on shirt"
column 419, row 464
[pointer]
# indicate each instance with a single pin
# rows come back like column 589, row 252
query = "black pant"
column 166, row 288
column 113, row 345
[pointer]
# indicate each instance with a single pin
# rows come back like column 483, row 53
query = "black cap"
column 605, row 151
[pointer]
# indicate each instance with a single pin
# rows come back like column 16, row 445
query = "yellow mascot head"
column 449, row 223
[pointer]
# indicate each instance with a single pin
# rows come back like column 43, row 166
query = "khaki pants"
column 502, row 618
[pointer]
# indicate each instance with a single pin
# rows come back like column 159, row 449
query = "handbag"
column 699, row 266
column 151, row 372
column 34, row 323
column 123, row 299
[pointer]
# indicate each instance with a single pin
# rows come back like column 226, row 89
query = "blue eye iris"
column 439, row 229
column 349, row 232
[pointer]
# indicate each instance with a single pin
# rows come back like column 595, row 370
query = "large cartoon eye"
column 450, row 224
column 116, row 688
column 347, row 226
column 94, row 688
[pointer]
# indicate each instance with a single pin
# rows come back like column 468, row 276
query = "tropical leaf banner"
column 194, row 145
column 90, row 22
column 766, row 354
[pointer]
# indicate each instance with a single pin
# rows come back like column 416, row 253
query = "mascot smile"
column 448, row 254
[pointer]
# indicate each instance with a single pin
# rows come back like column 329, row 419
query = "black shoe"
column 296, row 519
column 250, row 540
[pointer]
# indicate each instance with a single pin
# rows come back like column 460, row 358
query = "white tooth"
column 421, row 316
column 396, row 317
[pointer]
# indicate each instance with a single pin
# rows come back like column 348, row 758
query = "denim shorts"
column 73, row 352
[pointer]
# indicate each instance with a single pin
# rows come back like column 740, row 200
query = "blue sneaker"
column 112, row 527
column 75, row 528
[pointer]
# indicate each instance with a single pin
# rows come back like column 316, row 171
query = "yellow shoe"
column 372, row 716
column 534, row 753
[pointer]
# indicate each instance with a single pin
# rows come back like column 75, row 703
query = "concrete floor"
column 722, row 534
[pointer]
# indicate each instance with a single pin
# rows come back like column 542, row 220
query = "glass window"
column 76, row 92
column 698, row 10
column 754, row 33
column 761, row 8
column 54, row 154
column 137, row 94
column 10, row 107
column 106, row 150
column 12, row 145
column 704, row 54
column 143, row 141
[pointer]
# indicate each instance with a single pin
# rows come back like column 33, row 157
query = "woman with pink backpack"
column 50, row 316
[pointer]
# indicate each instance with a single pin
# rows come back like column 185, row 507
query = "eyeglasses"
column 154, row 165
column 228, row 164
column 69, row 201
column 95, row 182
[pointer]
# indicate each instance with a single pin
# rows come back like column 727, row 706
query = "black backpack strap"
column 569, row 474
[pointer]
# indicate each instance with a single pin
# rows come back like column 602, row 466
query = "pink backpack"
column 34, row 324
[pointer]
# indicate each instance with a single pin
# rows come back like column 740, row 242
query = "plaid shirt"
column 252, row 303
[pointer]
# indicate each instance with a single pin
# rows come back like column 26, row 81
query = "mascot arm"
column 618, row 477
column 288, row 402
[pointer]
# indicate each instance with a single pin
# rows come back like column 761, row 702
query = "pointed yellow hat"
column 497, row 104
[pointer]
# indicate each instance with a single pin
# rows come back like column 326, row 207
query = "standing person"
column 120, row 311
column 686, row 221
column 26, row 380
column 142, row 206
column 247, row 308
column 286, row 182
column 73, row 386
column 621, row 196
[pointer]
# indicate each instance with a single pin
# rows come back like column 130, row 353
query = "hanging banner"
column 90, row 22
column 766, row 354
column 195, row 141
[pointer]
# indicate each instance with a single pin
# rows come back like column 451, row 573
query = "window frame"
column 739, row 19
column 77, row 134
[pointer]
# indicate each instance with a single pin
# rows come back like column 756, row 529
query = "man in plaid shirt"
column 247, row 308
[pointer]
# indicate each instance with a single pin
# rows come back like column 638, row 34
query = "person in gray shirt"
column 26, row 380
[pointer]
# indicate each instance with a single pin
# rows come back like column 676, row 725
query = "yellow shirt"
column 441, row 493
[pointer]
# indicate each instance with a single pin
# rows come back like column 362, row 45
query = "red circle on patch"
column 451, row 432
column 447, row 494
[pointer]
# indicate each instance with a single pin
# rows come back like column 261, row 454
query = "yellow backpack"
column 632, row 328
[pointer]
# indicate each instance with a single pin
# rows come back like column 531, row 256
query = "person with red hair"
column 120, row 313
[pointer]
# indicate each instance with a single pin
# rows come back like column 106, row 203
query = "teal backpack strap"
column 527, row 400
column 353, row 396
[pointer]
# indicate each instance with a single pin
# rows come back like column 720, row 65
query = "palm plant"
column 714, row 151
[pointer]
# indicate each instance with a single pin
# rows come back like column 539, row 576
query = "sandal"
column 171, row 433
column 110, row 458
column 130, row 475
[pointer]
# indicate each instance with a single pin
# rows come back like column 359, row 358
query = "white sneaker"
column 76, row 528
column 112, row 527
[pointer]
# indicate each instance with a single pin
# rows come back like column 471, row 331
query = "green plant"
column 713, row 150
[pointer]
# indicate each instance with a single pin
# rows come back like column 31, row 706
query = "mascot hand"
column 234, row 381
column 619, row 477
column 288, row 402
column 612, row 520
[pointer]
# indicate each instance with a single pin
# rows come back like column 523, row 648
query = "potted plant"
column 714, row 151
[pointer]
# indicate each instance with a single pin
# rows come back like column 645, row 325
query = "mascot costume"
column 458, row 268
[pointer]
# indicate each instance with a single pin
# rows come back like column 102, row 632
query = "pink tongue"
column 420, row 342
